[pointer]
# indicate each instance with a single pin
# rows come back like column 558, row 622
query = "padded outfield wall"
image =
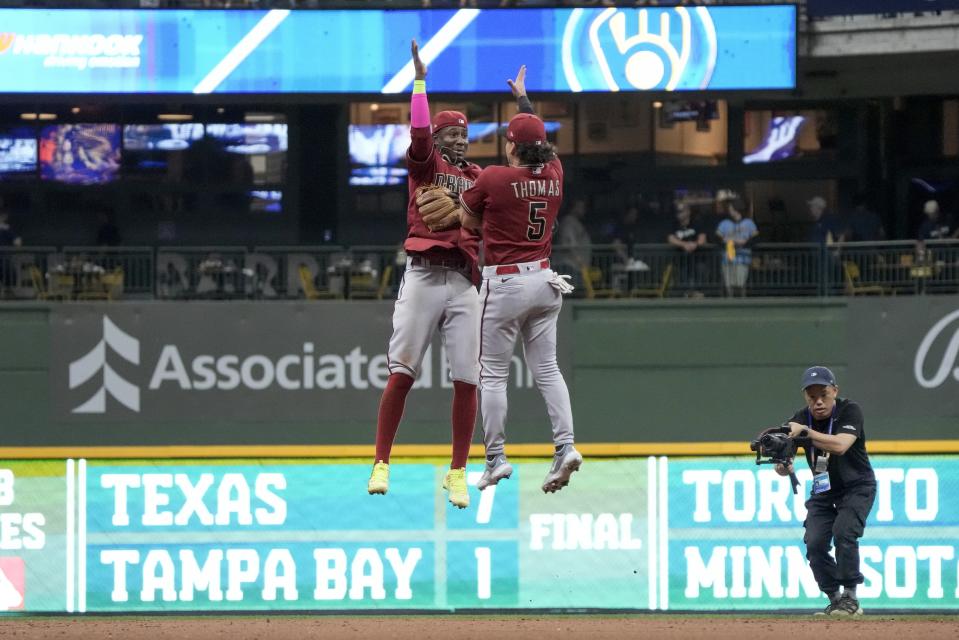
column 304, row 379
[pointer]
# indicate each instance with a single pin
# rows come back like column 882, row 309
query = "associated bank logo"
column 94, row 362
column 948, row 357
column 639, row 49
column 6, row 39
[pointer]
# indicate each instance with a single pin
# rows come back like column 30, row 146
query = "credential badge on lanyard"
column 820, row 480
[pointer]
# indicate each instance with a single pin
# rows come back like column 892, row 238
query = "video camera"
column 774, row 446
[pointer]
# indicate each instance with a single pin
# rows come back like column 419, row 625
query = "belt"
column 519, row 267
column 446, row 263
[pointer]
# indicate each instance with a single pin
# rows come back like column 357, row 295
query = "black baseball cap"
column 818, row 375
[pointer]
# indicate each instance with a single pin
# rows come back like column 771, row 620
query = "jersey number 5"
column 537, row 221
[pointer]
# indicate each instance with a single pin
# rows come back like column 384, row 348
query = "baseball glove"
column 437, row 208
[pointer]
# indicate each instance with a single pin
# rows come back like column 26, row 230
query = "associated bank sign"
column 938, row 353
column 95, row 363
column 256, row 361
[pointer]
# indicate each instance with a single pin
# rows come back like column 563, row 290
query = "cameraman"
column 844, row 487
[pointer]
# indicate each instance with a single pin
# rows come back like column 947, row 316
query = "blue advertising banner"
column 467, row 50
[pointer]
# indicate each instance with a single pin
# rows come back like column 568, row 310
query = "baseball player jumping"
column 438, row 289
column 516, row 207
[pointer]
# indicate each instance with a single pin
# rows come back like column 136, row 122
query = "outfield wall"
column 287, row 379
column 651, row 533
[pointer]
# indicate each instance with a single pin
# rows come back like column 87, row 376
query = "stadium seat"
column 40, row 286
column 854, row 286
column 659, row 291
column 593, row 283
column 310, row 291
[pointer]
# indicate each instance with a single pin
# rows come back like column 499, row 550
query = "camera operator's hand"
column 797, row 430
column 783, row 470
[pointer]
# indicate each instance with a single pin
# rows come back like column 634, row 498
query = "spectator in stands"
column 574, row 251
column 863, row 224
column 689, row 239
column 936, row 226
column 108, row 235
column 736, row 233
column 826, row 227
column 625, row 232
column 8, row 237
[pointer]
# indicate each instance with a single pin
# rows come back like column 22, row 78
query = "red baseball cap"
column 445, row 119
column 526, row 128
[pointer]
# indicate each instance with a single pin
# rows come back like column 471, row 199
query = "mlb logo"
column 12, row 590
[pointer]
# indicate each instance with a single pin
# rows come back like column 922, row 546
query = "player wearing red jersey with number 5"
column 438, row 293
column 515, row 207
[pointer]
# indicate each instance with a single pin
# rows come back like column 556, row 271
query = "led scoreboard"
column 641, row 533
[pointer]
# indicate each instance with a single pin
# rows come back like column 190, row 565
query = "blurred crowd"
column 724, row 224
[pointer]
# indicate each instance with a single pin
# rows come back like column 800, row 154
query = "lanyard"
column 832, row 418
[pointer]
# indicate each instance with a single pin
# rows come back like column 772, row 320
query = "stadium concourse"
column 501, row 627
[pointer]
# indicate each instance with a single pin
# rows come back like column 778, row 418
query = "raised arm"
column 518, row 87
column 421, row 146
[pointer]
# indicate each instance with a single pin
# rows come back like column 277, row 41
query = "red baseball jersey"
column 434, row 169
column 519, row 206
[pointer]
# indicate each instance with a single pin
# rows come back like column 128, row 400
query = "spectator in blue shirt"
column 736, row 233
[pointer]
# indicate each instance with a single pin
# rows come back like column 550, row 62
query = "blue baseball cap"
column 818, row 375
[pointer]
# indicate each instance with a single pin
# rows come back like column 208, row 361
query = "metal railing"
column 374, row 272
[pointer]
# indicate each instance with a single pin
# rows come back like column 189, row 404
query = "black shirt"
column 686, row 233
column 852, row 467
column 864, row 226
column 108, row 235
column 820, row 229
column 939, row 229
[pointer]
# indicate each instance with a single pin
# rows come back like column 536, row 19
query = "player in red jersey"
column 438, row 291
column 515, row 207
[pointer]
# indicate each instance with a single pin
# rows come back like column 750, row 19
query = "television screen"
column 80, row 153
column 482, row 130
column 378, row 153
column 780, row 142
column 249, row 139
column 688, row 110
column 18, row 152
column 254, row 153
column 157, row 148
column 266, row 201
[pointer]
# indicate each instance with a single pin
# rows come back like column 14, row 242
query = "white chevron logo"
column 81, row 370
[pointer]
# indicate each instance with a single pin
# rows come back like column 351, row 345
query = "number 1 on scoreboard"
column 483, row 569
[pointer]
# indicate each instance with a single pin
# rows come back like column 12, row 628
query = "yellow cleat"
column 379, row 479
column 455, row 483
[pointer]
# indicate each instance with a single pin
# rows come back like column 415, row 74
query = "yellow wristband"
column 419, row 86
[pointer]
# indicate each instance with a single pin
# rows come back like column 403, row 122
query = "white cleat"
column 564, row 465
column 498, row 469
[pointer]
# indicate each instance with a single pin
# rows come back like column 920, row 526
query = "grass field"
column 492, row 627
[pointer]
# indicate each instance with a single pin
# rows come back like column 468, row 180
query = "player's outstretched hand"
column 418, row 65
column 518, row 86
